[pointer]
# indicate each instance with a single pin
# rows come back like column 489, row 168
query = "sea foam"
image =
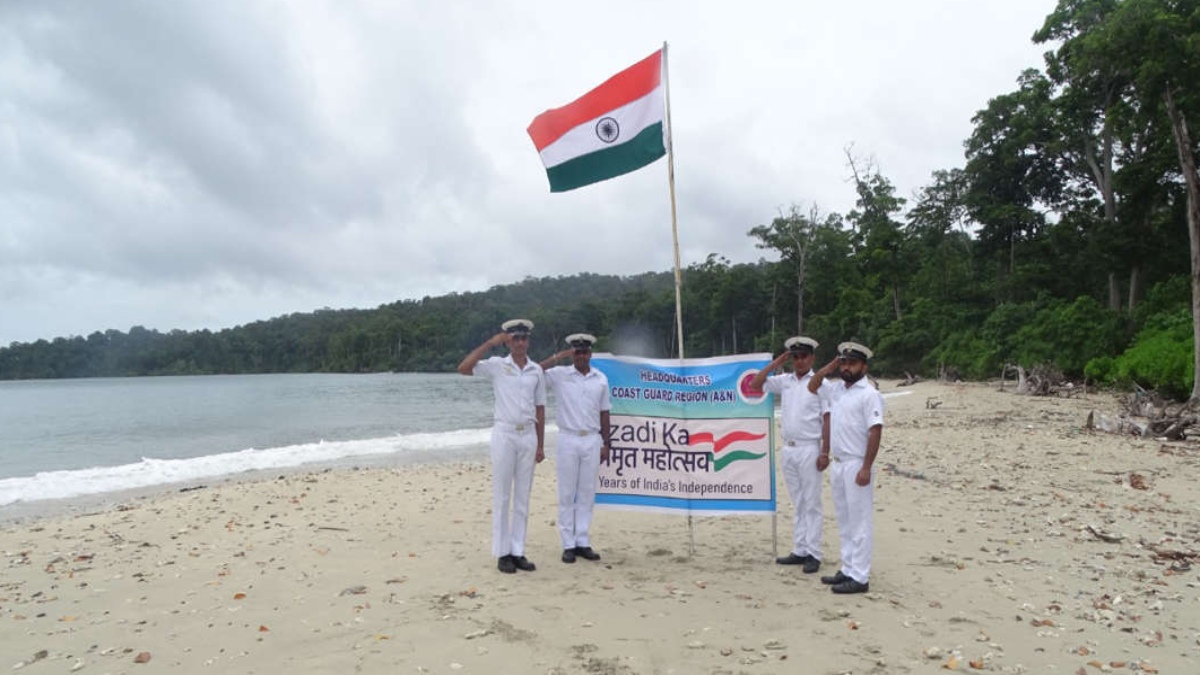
column 150, row 472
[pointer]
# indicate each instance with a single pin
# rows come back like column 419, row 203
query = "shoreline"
column 1007, row 537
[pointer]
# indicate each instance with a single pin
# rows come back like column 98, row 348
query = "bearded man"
column 850, row 435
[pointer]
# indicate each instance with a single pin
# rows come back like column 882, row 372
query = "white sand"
column 990, row 555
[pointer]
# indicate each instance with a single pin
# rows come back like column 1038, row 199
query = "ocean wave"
column 150, row 472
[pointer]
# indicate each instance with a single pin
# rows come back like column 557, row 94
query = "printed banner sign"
column 688, row 436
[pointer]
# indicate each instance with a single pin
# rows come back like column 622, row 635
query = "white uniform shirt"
column 517, row 391
column 801, row 408
column 581, row 398
column 852, row 411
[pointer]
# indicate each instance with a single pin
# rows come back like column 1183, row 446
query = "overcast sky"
column 204, row 164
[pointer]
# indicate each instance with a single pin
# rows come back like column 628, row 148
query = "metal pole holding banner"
column 675, row 242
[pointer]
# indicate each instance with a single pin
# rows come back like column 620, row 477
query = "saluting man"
column 518, row 430
column 852, row 430
column 583, row 415
column 801, row 413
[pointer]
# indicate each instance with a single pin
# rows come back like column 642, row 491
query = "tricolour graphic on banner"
column 688, row 436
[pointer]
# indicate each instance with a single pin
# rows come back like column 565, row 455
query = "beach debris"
column 478, row 634
column 353, row 590
column 894, row 470
column 774, row 645
column 38, row 656
column 1138, row 482
column 1041, row 380
column 142, row 657
column 932, row 403
column 239, row 596
column 263, row 629
column 79, row 664
column 1152, row 639
column 951, row 663
column 1166, row 420
column 1102, row 535
column 726, row 651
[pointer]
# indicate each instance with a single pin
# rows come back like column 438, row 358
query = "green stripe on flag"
column 613, row 161
column 734, row 456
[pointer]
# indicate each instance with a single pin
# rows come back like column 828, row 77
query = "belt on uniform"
column 580, row 432
column 514, row 427
column 794, row 442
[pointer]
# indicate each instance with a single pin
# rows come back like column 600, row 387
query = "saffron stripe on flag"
column 630, row 84
column 639, row 151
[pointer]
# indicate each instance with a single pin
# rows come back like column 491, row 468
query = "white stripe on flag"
column 632, row 118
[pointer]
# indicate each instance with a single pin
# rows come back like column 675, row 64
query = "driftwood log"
column 1148, row 415
column 1042, row 380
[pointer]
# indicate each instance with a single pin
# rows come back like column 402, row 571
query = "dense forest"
column 1063, row 239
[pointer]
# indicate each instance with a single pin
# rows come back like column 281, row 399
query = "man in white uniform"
column 801, row 412
column 519, row 387
column 852, row 430
column 583, row 413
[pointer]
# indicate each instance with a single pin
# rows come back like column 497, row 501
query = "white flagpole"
column 674, row 221
column 675, row 241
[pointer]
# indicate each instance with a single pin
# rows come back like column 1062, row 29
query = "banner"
column 688, row 436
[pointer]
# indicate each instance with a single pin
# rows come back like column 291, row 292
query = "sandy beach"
column 1008, row 539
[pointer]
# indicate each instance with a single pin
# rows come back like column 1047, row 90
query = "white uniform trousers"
column 577, row 463
column 513, row 458
column 855, row 506
column 804, row 488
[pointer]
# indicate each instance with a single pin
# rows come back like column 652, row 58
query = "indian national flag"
column 611, row 130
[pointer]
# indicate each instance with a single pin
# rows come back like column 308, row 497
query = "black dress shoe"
column 505, row 564
column 792, row 559
column 569, row 555
column 835, row 579
column 586, row 553
column 850, row 586
column 522, row 563
column 812, row 565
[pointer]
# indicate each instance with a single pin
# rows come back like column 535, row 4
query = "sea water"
column 70, row 438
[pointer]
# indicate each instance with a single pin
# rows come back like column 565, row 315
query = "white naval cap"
column 853, row 350
column 517, row 326
column 581, row 340
column 799, row 343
